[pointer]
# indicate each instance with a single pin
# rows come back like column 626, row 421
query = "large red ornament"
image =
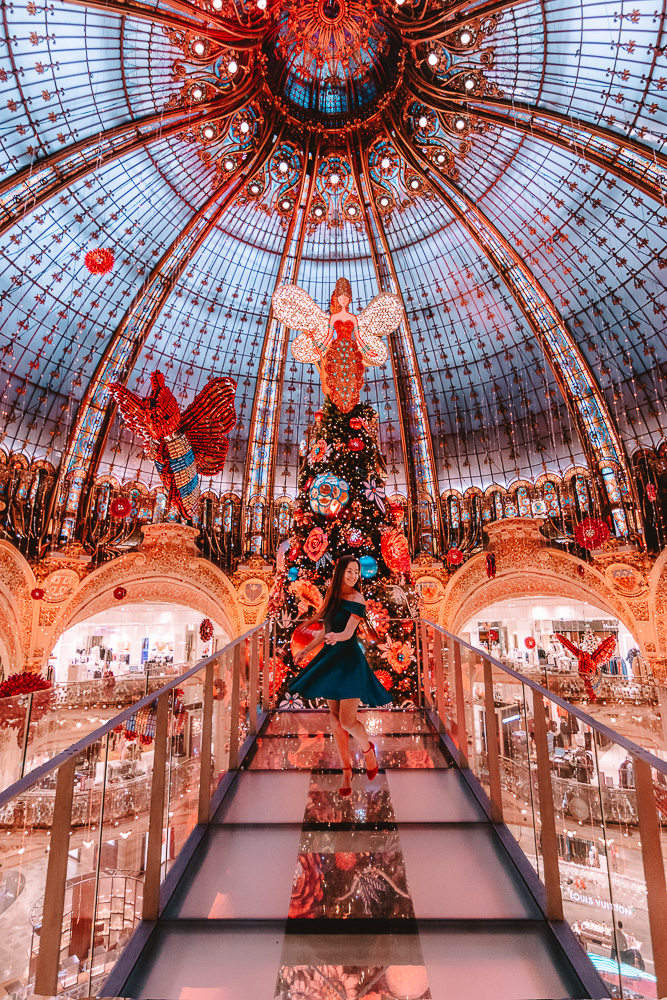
column 99, row 260
column 206, row 630
column 395, row 551
column 592, row 533
column 119, row 593
column 300, row 639
column 184, row 446
column 37, row 594
column 356, row 424
column 454, row 557
column 318, row 415
column 355, row 444
column 589, row 663
column 529, row 642
column 120, row 507
column 23, row 684
column 384, row 678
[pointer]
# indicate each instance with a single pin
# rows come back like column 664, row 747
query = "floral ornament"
column 206, row 630
column 291, row 701
column 316, row 544
column 384, row 679
column 319, row 451
column 529, row 642
column 454, row 557
column 375, row 492
column 119, row 593
column 37, row 593
column 99, row 260
column 345, row 861
column 397, row 654
column 651, row 492
column 591, row 533
column 307, row 593
column 276, row 596
column 319, row 982
column 24, row 683
column 328, row 494
column 355, row 444
column 120, row 507
column 395, row 551
column 355, row 537
column 378, row 616
column 307, row 892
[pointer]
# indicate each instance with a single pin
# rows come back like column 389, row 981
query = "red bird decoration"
column 183, row 446
column 589, row 663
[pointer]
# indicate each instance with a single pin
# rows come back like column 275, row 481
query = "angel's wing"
column 295, row 308
column 568, row 645
column 604, row 650
column 381, row 316
column 373, row 351
column 207, row 421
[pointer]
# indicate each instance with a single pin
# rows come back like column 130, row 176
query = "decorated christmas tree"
column 342, row 509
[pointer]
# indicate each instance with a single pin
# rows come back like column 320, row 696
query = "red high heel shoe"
column 346, row 790
column 374, row 770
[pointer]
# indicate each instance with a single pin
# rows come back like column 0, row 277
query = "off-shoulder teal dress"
column 341, row 670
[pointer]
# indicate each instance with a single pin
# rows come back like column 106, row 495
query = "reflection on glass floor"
column 402, row 890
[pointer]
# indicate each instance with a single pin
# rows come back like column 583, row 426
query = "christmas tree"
column 342, row 509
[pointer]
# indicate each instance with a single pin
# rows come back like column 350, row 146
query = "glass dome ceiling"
column 499, row 165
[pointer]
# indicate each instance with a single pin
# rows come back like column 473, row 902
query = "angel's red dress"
column 343, row 370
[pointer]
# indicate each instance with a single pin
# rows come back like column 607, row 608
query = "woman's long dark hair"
column 333, row 596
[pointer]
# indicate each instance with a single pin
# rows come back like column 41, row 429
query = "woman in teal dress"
column 340, row 671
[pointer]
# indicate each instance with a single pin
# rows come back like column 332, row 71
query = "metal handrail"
column 30, row 779
column 610, row 734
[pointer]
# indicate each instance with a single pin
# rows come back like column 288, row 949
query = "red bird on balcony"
column 589, row 663
column 184, row 446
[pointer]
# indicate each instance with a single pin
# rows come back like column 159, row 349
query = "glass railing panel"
column 626, row 923
column 13, row 722
column 182, row 794
column 222, row 706
column 479, row 758
column 519, row 778
column 244, row 693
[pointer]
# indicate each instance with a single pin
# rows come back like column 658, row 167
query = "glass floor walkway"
column 404, row 890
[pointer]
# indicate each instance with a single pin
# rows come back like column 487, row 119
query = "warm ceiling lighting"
column 261, row 4
column 318, row 211
column 286, row 205
column 229, row 165
column 399, row 2
column 385, row 163
column 440, row 158
column 384, row 201
column 245, row 127
column 209, row 132
column 197, row 93
column 216, row 4
column 199, row 48
column 432, row 59
column 460, row 124
column 469, row 84
column 232, row 67
column 254, row 189
column 282, row 167
column 414, row 183
column 352, row 210
column 335, row 179
column 423, row 121
column 465, row 38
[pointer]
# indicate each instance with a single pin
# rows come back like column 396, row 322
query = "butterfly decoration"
column 589, row 663
column 184, row 446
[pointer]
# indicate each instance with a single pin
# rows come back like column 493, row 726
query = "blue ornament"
column 367, row 567
column 293, row 573
column 328, row 494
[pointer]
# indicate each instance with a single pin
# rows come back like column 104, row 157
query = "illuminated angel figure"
column 340, row 345
column 589, row 663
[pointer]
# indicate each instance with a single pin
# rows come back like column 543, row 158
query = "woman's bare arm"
column 350, row 628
